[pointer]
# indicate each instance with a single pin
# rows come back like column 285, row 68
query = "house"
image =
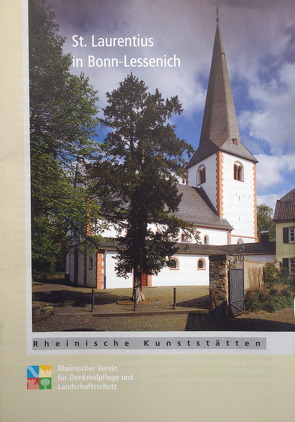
column 219, row 198
column 284, row 217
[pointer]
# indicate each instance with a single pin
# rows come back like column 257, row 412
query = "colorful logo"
column 39, row 377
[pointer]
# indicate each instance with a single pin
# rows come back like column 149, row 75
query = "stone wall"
column 253, row 275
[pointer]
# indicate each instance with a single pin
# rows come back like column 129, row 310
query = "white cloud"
column 273, row 170
column 273, row 123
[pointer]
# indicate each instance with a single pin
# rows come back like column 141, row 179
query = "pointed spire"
column 217, row 12
column 220, row 127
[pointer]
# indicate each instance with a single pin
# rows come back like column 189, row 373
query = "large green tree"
column 136, row 178
column 63, row 109
column 265, row 222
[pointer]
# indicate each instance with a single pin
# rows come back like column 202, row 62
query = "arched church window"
column 201, row 175
column 173, row 263
column 240, row 241
column 201, row 264
column 206, row 239
column 238, row 172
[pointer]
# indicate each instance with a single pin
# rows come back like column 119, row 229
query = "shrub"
column 281, row 302
column 262, row 295
column 284, row 276
column 273, row 298
column 269, row 301
column 269, row 306
column 287, row 293
column 271, row 274
column 252, row 301
column 273, row 291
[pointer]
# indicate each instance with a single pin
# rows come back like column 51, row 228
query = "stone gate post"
column 218, row 285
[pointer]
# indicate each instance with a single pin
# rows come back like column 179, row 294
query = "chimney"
column 264, row 237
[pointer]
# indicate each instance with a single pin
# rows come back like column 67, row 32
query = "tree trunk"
column 137, row 295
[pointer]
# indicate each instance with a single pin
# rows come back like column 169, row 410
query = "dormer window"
column 201, row 175
column 238, row 172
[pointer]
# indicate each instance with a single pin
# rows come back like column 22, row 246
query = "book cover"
column 204, row 340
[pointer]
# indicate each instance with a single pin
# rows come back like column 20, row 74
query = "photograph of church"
column 219, row 197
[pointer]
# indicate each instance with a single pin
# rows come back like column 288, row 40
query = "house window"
column 201, row 175
column 292, row 235
column 289, row 264
column 289, row 234
column 201, row 264
column 173, row 264
column 238, row 172
column 206, row 239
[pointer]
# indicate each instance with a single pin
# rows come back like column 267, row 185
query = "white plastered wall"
column 112, row 281
column 80, row 269
column 187, row 273
column 238, row 198
column 216, row 237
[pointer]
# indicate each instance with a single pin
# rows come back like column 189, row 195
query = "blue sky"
column 259, row 42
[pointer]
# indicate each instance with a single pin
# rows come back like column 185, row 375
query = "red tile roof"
column 285, row 207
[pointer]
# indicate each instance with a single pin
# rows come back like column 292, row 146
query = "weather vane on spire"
column 217, row 12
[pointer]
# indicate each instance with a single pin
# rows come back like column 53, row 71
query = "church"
column 219, row 198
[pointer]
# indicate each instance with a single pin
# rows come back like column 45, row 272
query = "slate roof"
column 220, row 125
column 196, row 207
column 285, row 207
column 262, row 248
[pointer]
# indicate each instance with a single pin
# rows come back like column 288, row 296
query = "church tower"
column 222, row 165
